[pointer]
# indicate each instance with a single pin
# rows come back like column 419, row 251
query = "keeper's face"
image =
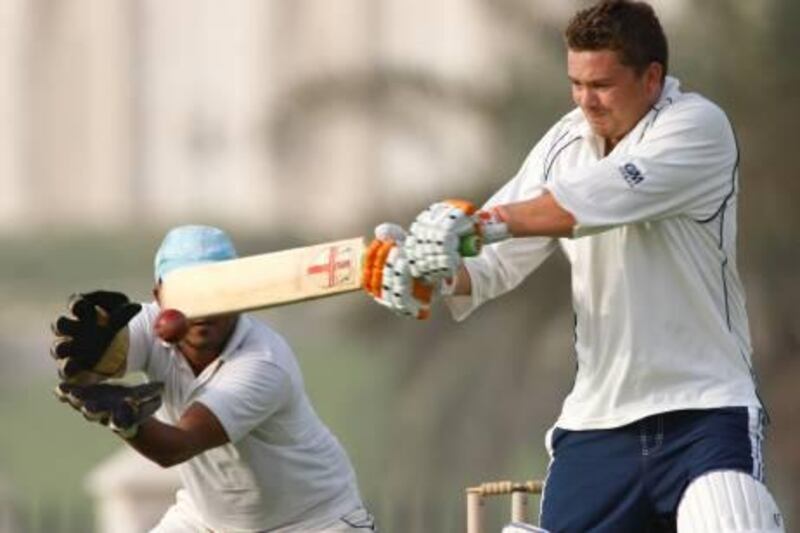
column 209, row 334
column 612, row 96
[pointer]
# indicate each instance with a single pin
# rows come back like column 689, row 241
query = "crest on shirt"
column 631, row 174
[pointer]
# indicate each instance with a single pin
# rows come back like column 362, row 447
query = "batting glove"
column 92, row 340
column 121, row 408
column 445, row 232
column 387, row 278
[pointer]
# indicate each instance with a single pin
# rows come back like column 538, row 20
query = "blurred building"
column 118, row 112
column 301, row 113
column 8, row 512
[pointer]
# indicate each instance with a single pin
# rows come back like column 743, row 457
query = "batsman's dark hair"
column 628, row 27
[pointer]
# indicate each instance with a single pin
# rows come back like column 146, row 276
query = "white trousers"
column 182, row 517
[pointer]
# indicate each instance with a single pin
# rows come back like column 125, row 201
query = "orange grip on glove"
column 390, row 293
column 466, row 206
column 374, row 261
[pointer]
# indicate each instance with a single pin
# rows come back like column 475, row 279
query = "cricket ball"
column 171, row 325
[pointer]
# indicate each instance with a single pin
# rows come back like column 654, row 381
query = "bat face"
column 335, row 265
column 265, row 280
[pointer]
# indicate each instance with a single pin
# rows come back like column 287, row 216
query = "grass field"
column 46, row 451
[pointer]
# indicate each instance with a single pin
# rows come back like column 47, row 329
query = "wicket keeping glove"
column 121, row 408
column 445, row 232
column 92, row 341
column 387, row 278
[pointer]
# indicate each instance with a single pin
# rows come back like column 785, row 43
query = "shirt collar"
column 670, row 91
column 243, row 326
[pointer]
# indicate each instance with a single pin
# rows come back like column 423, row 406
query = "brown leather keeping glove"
column 92, row 341
column 119, row 407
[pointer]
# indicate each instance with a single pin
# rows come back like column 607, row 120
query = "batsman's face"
column 612, row 96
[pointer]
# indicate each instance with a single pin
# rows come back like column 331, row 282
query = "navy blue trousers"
column 631, row 478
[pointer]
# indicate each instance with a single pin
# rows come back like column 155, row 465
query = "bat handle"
column 470, row 245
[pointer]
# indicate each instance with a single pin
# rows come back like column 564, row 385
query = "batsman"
column 638, row 186
column 233, row 414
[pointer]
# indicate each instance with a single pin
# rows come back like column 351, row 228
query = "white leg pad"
column 728, row 501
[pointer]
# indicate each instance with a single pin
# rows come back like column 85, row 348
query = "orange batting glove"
column 386, row 275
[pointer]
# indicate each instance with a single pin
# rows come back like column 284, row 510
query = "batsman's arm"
column 540, row 216
column 198, row 430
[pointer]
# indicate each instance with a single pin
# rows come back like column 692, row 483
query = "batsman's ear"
column 157, row 292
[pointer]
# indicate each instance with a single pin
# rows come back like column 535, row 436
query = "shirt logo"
column 631, row 173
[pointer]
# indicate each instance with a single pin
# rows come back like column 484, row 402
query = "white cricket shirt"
column 283, row 467
column 660, row 310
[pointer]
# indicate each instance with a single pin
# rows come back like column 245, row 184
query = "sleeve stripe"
column 734, row 173
column 558, row 153
column 550, row 152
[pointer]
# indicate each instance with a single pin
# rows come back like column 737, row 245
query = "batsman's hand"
column 447, row 231
column 121, row 408
column 92, row 340
column 387, row 278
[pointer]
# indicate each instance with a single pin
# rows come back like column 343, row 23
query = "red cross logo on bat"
column 332, row 267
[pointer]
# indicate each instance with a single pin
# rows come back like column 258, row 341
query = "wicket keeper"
column 233, row 414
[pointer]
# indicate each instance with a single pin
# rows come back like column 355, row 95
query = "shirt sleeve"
column 684, row 165
column 245, row 393
column 502, row 266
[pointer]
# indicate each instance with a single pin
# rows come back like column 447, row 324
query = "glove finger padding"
column 447, row 231
column 390, row 232
column 121, row 408
column 433, row 246
column 92, row 342
column 128, row 417
column 387, row 236
column 387, row 278
column 396, row 289
column 108, row 301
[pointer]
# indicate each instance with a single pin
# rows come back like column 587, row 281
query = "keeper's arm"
column 198, row 430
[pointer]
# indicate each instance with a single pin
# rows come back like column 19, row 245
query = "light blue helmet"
column 192, row 245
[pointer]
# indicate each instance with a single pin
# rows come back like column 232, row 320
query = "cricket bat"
column 272, row 279
column 265, row 280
